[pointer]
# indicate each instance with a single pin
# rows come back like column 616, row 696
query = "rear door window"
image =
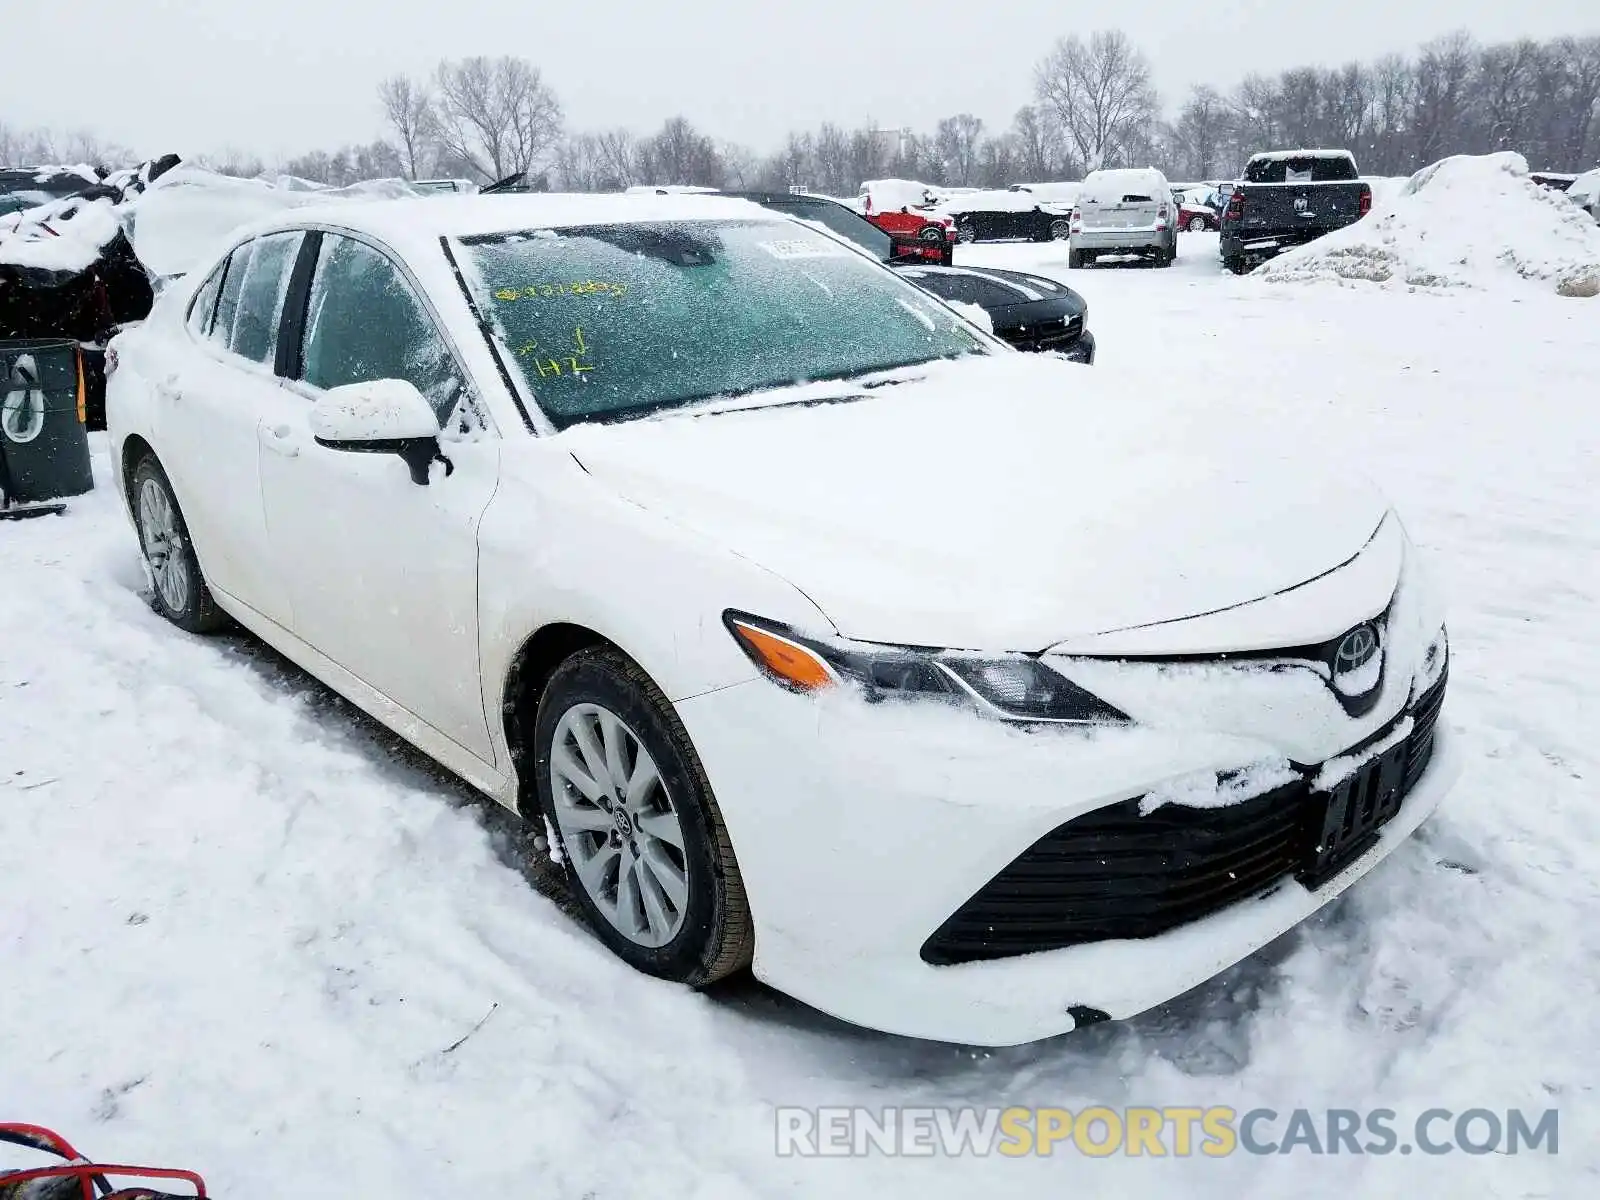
column 263, row 280
column 204, row 305
column 220, row 330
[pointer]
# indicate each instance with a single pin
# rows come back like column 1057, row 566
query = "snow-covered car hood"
column 1003, row 503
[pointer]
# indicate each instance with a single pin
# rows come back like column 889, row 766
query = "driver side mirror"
column 383, row 416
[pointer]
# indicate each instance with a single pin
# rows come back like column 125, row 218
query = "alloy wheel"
column 163, row 546
column 618, row 825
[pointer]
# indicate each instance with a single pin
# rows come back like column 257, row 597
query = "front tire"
column 642, row 840
column 966, row 233
column 179, row 591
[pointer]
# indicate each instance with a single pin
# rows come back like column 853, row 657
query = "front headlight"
column 1013, row 687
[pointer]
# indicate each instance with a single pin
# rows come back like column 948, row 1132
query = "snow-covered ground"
column 242, row 930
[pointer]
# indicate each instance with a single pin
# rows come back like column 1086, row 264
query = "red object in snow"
column 78, row 1179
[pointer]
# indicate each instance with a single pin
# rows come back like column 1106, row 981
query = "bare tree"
column 15, row 147
column 408, row 109
column 956, row 141
column 1578, row 123
column 1198, row 133
column 1038, row 139
column 1347, row 98
column 871, row 152
column 495, row 114
column 998, row 162
column 618, row 153
column 681, row 154
column 1100, row 93
column 1444, row 74
column 1392, row 86
column 740, row 164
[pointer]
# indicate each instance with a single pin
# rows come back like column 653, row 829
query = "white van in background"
column 1127, row 211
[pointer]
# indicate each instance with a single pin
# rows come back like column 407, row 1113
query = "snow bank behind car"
column 185, row 218
column 1467, row 221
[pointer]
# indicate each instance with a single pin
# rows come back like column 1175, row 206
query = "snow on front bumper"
column 860, row 829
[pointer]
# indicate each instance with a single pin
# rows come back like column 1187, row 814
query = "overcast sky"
column 279, row 77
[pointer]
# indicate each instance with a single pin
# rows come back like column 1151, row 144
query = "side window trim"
column 292, row 321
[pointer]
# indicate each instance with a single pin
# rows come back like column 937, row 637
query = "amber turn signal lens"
column 790, row 663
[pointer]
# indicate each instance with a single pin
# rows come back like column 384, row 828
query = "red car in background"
column 913, row 229
column 1193, row 216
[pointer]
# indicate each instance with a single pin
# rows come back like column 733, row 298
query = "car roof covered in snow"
column 1099, row 185
column 1279, row 155
column 409, row 223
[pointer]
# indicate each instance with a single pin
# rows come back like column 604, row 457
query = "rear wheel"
column 1198, row 225
column 966, row 231
column 1234, row 263
column 641, row 837
column 1075, row 259
column 1060, row 230
column 178, row 590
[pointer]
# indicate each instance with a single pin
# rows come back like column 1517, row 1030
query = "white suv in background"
column 1585, row 193
column 1124, row 212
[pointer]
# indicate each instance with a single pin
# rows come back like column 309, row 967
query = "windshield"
column 617, row 320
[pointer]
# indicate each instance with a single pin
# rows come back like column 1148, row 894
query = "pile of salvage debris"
column 67, row 267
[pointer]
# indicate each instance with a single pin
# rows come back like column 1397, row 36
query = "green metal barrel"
column 44, row 444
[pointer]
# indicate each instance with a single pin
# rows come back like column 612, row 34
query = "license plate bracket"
column 1346, row 819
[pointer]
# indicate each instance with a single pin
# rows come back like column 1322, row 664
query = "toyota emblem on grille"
column 1355, row 649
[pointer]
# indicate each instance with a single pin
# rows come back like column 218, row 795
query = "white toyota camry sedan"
column 816, row 630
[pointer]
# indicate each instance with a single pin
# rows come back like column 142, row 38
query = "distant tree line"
column 1093, row 105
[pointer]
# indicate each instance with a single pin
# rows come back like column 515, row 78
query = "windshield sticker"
column 793, row 248
column 589, row 287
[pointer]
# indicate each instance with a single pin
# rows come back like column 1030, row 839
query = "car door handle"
column 279, row 439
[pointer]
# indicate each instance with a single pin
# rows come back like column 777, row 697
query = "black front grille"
column 1114, row 873
column 1045, row 335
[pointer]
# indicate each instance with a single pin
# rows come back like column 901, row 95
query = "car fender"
column 558, row 547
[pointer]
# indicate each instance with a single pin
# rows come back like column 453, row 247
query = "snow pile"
column 1467, row 221
column 186, row 217
column 63, row 235
column 76, row 217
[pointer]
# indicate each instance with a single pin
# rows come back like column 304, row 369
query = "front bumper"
column 860, row 829
column 1081, row 350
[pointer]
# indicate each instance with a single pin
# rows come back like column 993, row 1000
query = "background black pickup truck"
column 1289, row 198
